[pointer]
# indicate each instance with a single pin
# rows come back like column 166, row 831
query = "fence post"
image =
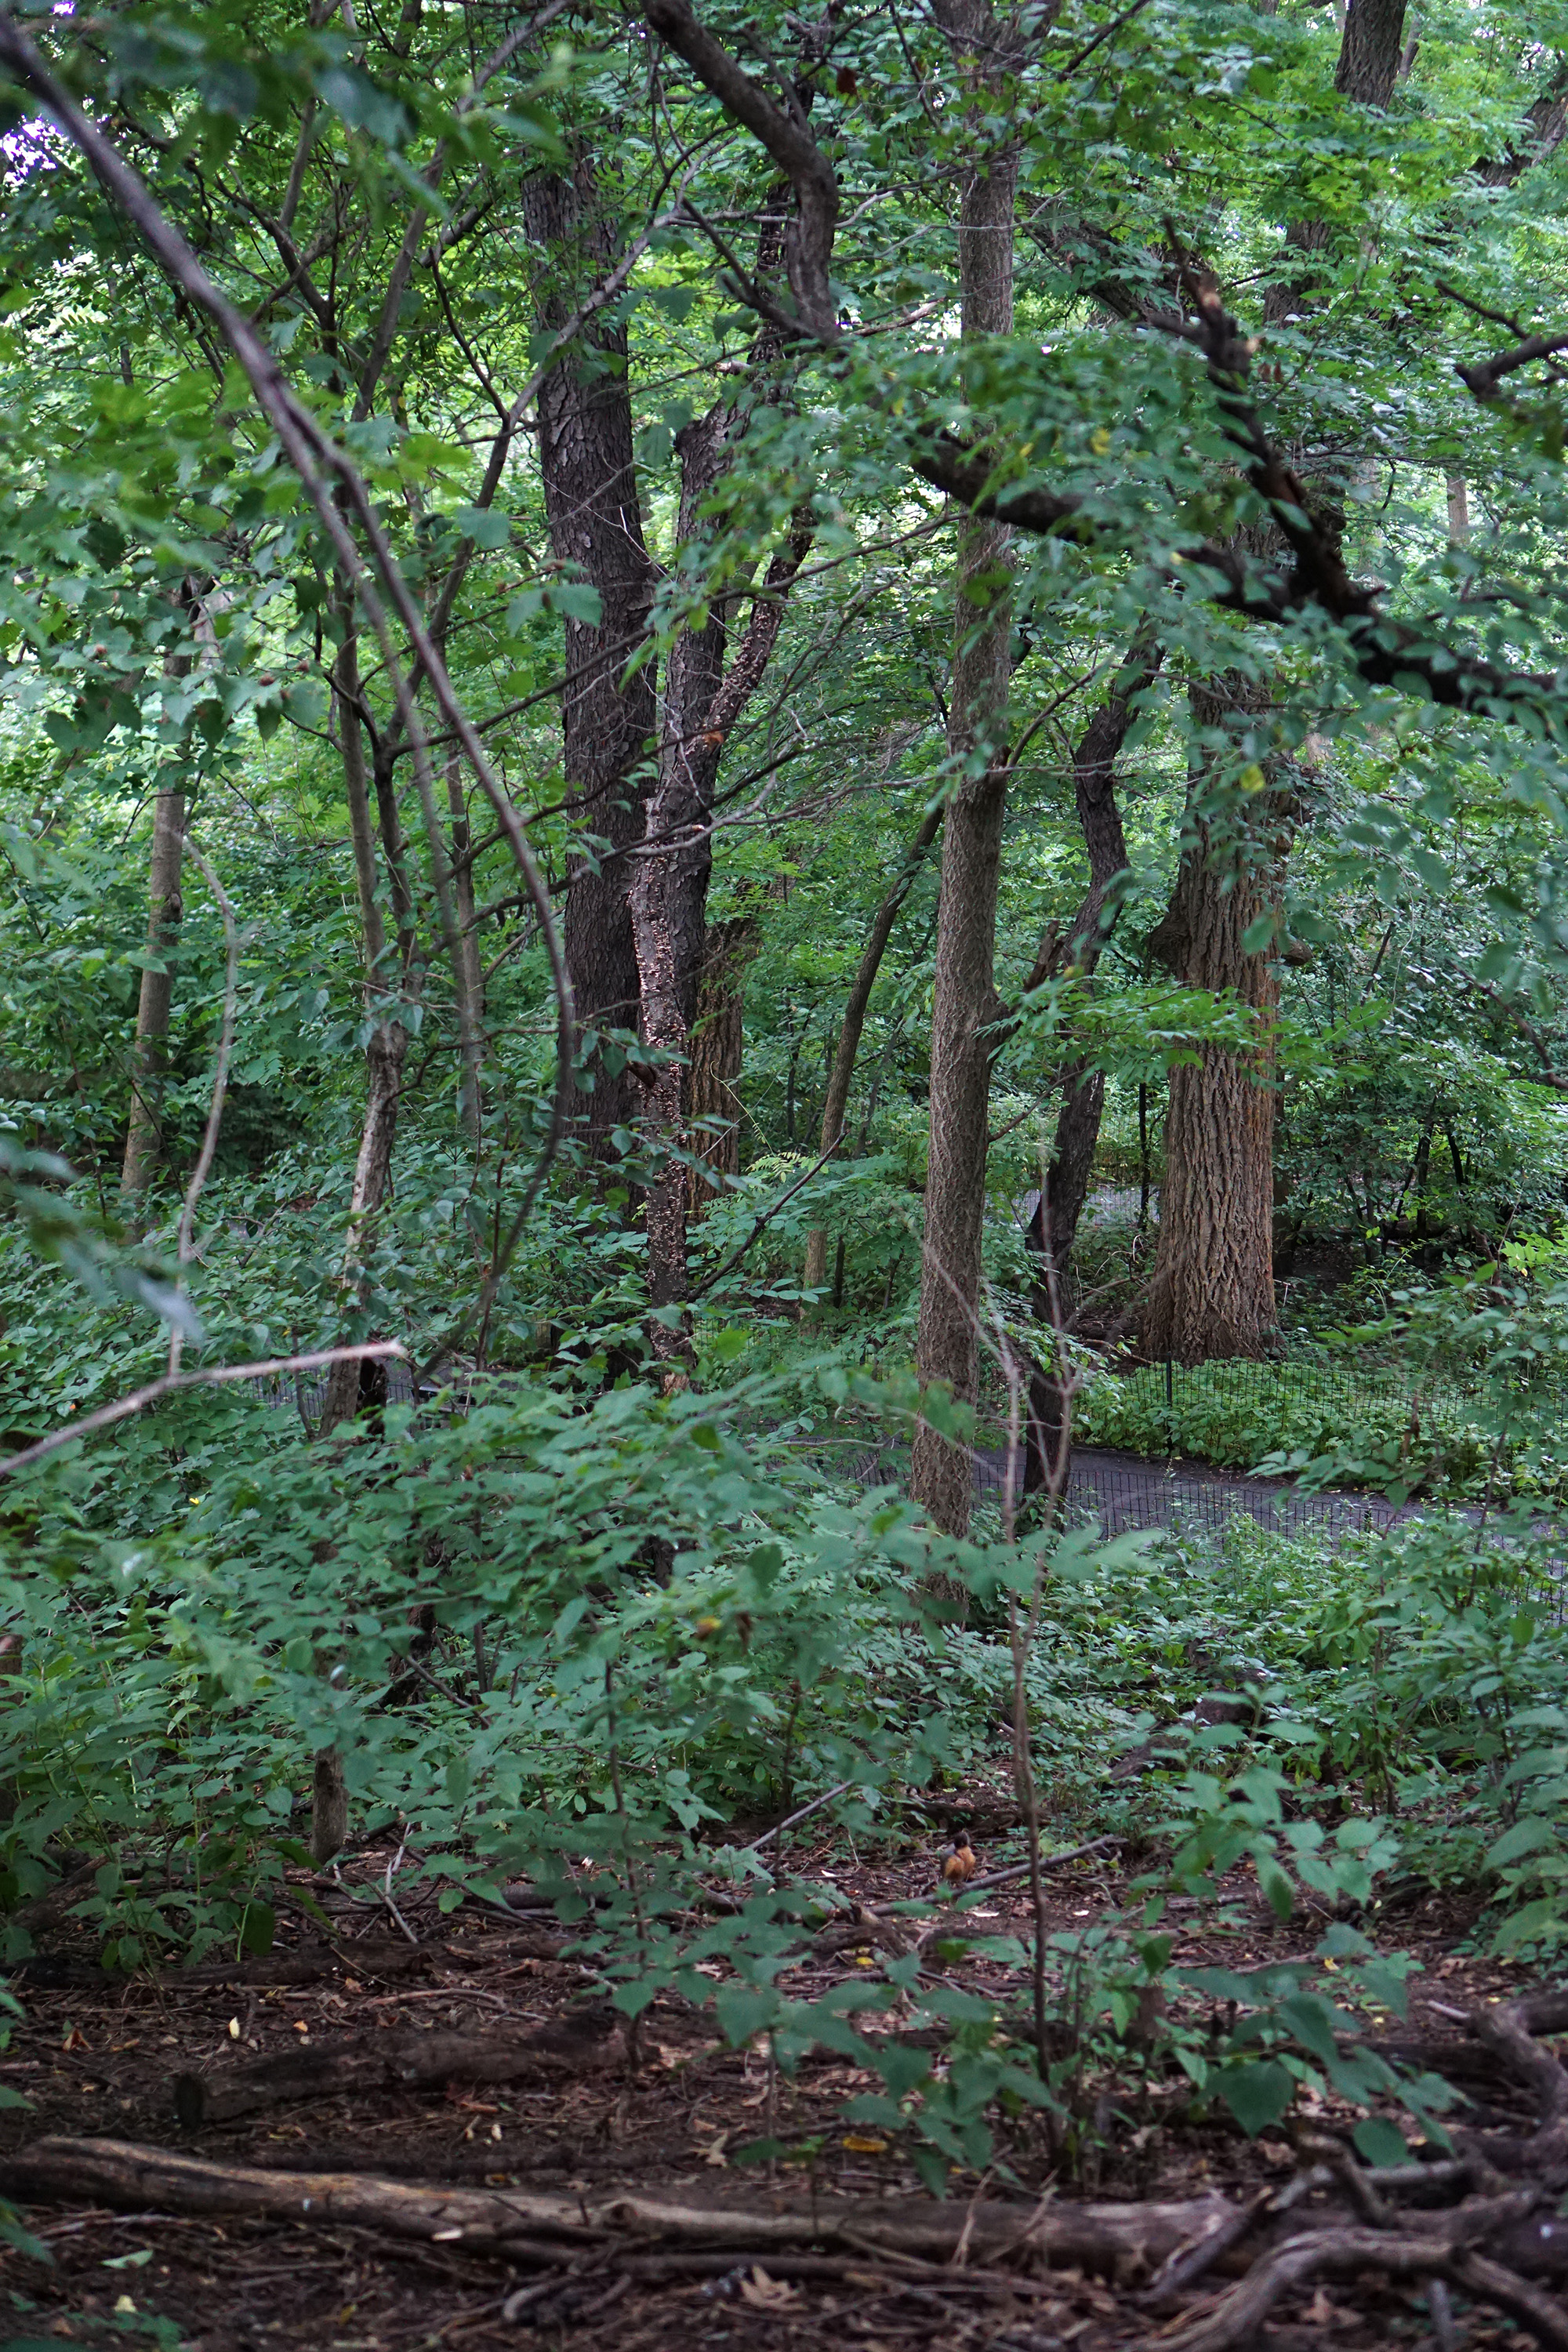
column 1170, row 1386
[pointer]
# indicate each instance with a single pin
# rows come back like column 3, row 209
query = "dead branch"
column 1121, row 2242
column 140, row 1398
column 412, row 2061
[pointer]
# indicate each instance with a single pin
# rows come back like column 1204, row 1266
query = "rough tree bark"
column 1212, row 1293
column 608, row 717
column 1370, row 51
column 718, row 1041
column 851, row 1029
column 965, row 996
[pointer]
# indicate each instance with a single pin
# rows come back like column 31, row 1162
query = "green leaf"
column 257, row 1928
column 1257, row 2094
column 1380, row 2142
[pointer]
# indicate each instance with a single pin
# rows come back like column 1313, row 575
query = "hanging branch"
column 140, row 1398
column 337, row 492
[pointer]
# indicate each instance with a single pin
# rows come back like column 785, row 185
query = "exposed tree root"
column 1440, row 2245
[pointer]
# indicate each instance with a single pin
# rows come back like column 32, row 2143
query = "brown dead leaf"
column 765, row 2294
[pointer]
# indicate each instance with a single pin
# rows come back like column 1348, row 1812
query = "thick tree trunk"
column 718, row 1041
column 852, row 1028
column 964, row 998
column 143, row 1134
column 1370, row 51
column 608, row 718
column 1212, row 1293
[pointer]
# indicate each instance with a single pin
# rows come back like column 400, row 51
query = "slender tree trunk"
column 1212, row 1293
column 388, row 1044
column 608, row 717
column 964, row 1000
column 468, row 975
column 842, row 1073
column 669, row 886
column 1065, row 1180
column 143, row 1136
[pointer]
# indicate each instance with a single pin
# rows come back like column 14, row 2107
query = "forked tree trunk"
column 669, row 899
column 144, row 1134
column 1212, row 1293
column 965, row 996
column 608, row 718
column 669, row 887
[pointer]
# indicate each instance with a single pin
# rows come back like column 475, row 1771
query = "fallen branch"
column 407, row 2062
column 1123, row 2242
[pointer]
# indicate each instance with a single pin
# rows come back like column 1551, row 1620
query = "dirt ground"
column 96, row 2056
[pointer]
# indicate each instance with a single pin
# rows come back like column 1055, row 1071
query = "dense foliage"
column 467, row 544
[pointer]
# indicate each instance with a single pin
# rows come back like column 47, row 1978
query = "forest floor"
column 96, row 2057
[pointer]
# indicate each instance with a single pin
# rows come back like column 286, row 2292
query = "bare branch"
column 140, row 1398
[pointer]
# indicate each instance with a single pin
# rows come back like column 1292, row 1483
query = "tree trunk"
column 1065, row 1181
column 143, row 1134
column 388, row 1044
column 1370, row 51
column 1212, row 1293
column 669, row 887
column 607, row 716
column 717, row 1039
column 468, row 977
column 841, row 1077
column 965, row 997
column 1066, row 1185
